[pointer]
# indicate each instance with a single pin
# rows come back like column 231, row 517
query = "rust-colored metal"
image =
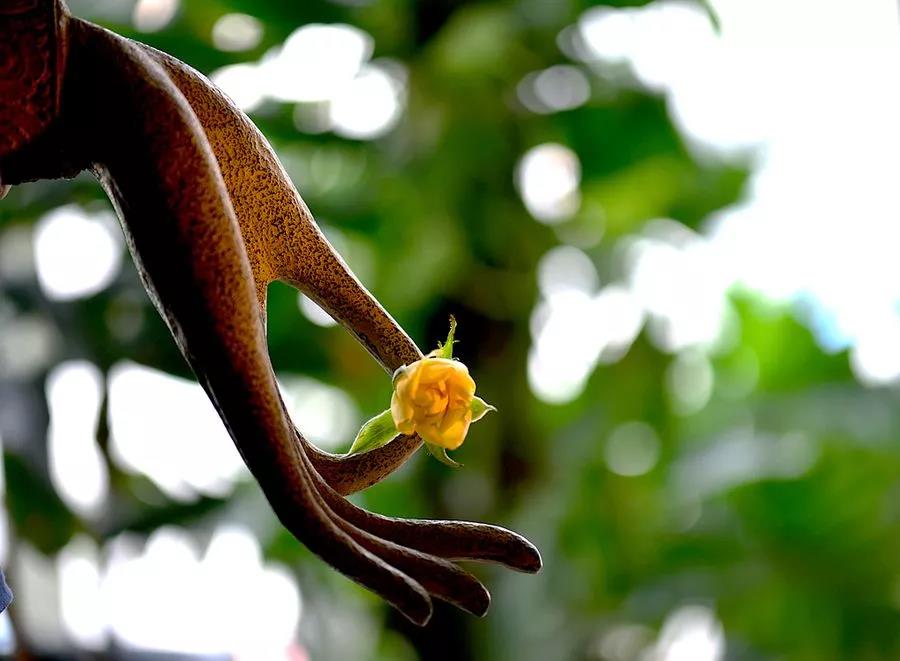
column 29, row 50
column 211, row 219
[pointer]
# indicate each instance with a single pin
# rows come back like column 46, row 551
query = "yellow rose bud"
column 433, row 398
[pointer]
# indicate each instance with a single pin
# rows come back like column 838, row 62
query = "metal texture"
column 211, row 218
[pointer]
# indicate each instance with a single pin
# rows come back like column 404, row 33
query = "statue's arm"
column 284, row 243
column 153, row 159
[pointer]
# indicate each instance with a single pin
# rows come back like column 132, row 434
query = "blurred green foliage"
column 799, row 566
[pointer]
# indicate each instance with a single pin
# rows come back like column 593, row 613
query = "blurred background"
column 669, row 234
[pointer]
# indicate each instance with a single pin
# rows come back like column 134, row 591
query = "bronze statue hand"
column 211, row 219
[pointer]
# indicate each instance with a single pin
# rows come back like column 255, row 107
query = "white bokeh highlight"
column 177, row 583
column 237, row 32
column 74, row 392
column 82, row 608
column 314, row 313
column 165, row 428
column 557, row 88
column 154, row 15
column 816, row 229
column 370, row 104
column 548, row 178
column 689, row 633
column 315, row 62
column 76, row 254
column 243, row 83
column 324, row 414
column 576, row 325
column 326, row 69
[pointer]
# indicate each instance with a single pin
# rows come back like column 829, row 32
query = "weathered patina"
column 211, row 219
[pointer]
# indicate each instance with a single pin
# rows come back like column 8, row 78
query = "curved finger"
column 304, row 514
column 456, row 540
column 348, row 474
column 439, row 577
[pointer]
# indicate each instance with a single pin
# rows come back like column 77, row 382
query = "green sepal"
column 440, row 453
column 375, row 433
column 480, row 408
column 445, row 350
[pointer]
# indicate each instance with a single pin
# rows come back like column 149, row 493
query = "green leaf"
column 378, row 431
column 479, row 408
column 440, row 453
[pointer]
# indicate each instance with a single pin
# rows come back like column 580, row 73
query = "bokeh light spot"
column 632, row 449
column 548, row 177
column 237, row 32
column 76, row 254
column 153, row 15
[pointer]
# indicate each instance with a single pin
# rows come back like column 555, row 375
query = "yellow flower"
column 433, row 398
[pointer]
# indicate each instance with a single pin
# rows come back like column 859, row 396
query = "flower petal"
column 451, row 431
column 403, row 414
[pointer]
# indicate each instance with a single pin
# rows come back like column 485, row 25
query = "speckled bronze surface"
column 211, row 218
column 25, row 112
